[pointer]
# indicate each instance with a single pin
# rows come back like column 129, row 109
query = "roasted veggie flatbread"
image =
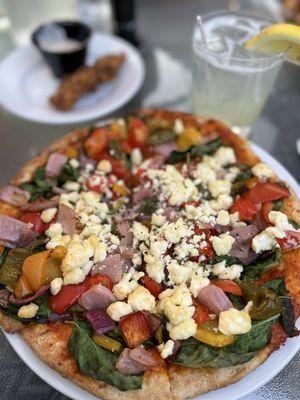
column 155, row 256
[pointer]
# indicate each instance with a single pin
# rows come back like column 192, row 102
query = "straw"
column 203, row 34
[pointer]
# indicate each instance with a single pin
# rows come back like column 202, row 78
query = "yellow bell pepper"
column 108, row 343
column 119, row 189
column 22, row 288
column 71, row 152
column 190, row 137
column 207, row 333
column 40, row 269
column 58, row 253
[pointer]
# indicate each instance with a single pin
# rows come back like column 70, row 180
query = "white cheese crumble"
column 104, row 166
column 262, row 171
column 141, row 299
column 56, row 285
column 136, row 157
column 48, row 214
column 234, row 322
column 225, row 156
column 166, row 349
column 28, row 311
column 218, row 187
column 178, row 126
column 280, row 220
column 222, row 244
column 118, row 310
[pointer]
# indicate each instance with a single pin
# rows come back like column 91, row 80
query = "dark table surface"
column 165, row 28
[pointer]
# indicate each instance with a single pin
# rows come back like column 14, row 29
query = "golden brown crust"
column 189, row 382
column 50, row 341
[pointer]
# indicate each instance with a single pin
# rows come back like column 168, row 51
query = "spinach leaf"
column 294, row 223
column 149, row 205
column 277, row 205
column 196, row 354
column 41, row 316
column 245, row 172
column 40, row 187
column 118, row 153
column 161, row 136
column 204, row 192
column 68, row 173
column 287, row 316
column 262, row 264
column 237, row 301
column 229, row 260
column 195, row 151
column 97, row 362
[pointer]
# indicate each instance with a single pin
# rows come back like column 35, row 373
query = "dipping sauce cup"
column 63, row 45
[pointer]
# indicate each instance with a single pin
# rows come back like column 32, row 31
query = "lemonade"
column 230, row 82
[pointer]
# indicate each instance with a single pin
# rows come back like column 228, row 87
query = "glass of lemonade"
column 231, row 83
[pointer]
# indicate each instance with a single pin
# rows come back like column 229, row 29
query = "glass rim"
column 198, row 45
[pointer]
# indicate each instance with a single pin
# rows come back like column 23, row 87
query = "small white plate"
column 274, row 364
column 27, row 83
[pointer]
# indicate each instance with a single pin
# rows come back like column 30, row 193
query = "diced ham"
column 165, row 149
column 67, row 217
column 14, row 195
column 97, row 297
column 40, row 204
column 123, row 227
column 135, row 361
column 28, row 299
column 214, row 298
column 100, row 321
column 153, row 321
column 241, row 248
column 54, row 164
column 141, row 194
column 112, row 266
column 15, row 233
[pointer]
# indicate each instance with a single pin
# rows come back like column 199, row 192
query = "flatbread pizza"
column 152, row 257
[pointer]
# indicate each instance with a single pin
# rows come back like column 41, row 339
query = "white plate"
column 27, row 83
column 254, row 380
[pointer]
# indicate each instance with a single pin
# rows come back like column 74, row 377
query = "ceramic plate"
column 27, row 83
column 274, row 364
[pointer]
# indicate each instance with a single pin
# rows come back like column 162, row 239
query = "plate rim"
column 86, row 115
column 75, row 392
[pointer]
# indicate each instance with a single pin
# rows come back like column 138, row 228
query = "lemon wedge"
column 278, row 38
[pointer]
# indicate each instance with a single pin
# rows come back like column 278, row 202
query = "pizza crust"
column 172, row 382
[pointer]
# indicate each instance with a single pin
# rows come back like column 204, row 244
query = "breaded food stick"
column 85, row 80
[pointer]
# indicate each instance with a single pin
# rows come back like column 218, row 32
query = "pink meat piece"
column 15, row 233
column 112, row 266
column 214, row 298
column 67, row 217
column 14, row 195
column 54, row 164
column 97, row 297
column 40, row 204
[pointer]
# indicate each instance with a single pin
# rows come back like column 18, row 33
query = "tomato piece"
column 154, row 288
column 245, row 207
column 201, row 314
column 135, row 329
column 96, row 143
column 228, row 286
column 99, row 183
column 265, row 210
column 126, row 147
column 263, row 192
column 103, row 279
column 67, row 296
column 34, row 218
column 138, row 132
column 291, row 240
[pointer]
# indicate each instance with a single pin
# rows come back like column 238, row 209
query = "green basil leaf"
column 196, row 354
column 287, row 316
column 229, row 260
column 39, row 187
column 294, row 223
column 195, row 151
column 237, row 301
column 3, row 255
column 277, row 205
column 97, row 362
column 148, row 205
column 262, row 264
column 68, row 173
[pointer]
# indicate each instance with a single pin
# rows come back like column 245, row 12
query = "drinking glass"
column 231, row 83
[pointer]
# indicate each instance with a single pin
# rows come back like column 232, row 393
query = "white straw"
column 204, row 39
